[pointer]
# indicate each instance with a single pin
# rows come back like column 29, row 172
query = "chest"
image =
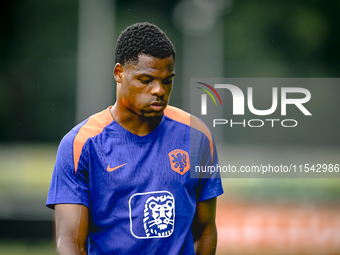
column 119, row 169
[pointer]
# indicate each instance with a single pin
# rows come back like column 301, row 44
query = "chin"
column 152, row 117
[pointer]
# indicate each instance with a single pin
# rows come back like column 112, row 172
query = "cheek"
column 138, row 98
column 168, row 91
column 132, row 93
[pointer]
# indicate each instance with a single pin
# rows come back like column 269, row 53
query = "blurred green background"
column 54, row 54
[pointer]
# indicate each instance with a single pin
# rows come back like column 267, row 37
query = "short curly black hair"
column 142, row 38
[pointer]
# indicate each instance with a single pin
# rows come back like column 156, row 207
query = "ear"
column 118, row 72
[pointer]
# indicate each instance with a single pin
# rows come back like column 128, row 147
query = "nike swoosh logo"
column 110, row 169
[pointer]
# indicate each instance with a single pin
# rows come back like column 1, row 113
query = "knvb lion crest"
column 179, row 161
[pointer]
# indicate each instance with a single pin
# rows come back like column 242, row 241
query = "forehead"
column 149, row 64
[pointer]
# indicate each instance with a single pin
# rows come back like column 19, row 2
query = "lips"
column 157, row 105
column 161, row 103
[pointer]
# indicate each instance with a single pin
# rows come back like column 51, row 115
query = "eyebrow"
column 148, row 75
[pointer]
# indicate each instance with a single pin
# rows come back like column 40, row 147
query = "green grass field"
column 27, row 248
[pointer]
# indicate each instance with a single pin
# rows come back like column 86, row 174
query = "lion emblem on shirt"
column 179, row 161
column 159, row 216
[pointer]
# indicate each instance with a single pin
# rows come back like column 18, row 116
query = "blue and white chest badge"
column 152, row 214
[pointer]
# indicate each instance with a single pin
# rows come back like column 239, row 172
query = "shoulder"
column 74, row 141
column 190, row 120
column 93, row 126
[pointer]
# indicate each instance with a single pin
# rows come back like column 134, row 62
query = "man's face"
column 146, row 86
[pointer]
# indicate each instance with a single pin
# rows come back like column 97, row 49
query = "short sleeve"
column 67, row 185
column 210, row 184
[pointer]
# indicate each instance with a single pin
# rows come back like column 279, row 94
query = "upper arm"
column 71, row 228
column 204, row 227
column 204, row 220
column 204, row 216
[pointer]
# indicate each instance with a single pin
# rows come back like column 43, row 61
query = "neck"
column 134, row 123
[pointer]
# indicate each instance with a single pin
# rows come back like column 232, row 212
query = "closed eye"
column 167, row 81
column 145, row 81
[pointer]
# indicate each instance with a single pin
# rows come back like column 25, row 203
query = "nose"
column 157, row 88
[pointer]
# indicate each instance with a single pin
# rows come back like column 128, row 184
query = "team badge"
column 179, row 161
column 152, row 214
